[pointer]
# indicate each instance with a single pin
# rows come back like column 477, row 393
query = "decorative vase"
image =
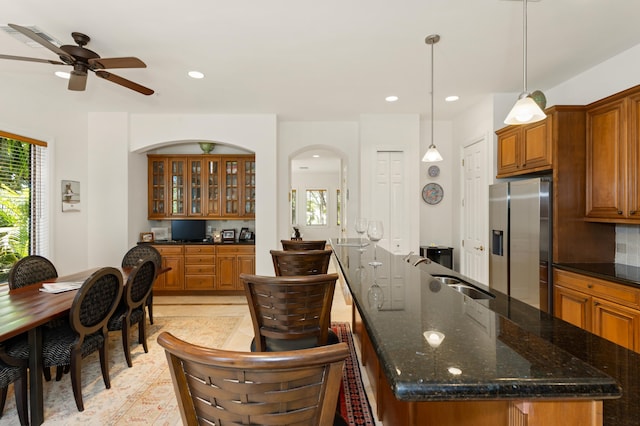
column 206, row 147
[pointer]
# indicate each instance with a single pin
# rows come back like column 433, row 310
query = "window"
column 338, row 206
column 23, row 212
column 294, row 204
column 316, row 207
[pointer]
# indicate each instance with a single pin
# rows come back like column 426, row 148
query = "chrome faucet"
column 408, row 257
column 421, row 260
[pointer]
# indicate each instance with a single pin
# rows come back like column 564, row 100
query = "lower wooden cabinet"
column 607, row 309
column 232, row 261
column 202, row 267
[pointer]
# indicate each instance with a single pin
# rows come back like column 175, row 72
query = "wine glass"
column 375, row 296
column 375, row 232
column 361, row 228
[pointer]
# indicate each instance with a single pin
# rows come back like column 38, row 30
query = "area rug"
column 354, row 406
column 141, row 395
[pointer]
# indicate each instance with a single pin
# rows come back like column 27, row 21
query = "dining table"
column 26, row 310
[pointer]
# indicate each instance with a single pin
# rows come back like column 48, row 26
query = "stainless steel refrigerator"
column 521, row 251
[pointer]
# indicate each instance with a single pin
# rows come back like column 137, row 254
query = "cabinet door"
column 246, row 265
column 177, row 186
column 212, row 178
column 173, row 279
column 231, row 200
column 606, row 157
column 227, row 270
column 633, row 154
column 157, row 188
column 508, row 142
column 616, row 323
column 536, row 147
column 249, row 187
column 195, row 187
column 573, row 307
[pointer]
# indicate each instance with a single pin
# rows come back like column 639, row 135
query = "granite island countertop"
column 493, row 349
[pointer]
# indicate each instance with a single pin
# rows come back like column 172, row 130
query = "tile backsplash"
column 628, row 245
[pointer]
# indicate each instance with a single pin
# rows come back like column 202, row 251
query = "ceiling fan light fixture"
column 195, row 74
column 63, row 74
column 432, row 154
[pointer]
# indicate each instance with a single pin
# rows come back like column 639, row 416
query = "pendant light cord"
column 524, row 45
column 432, row 111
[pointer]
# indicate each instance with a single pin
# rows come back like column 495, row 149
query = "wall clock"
column 434, row 171
column 432, row 193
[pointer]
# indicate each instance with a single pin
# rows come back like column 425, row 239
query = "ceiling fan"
column 83, row 60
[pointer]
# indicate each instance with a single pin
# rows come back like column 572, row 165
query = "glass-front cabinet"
column 214, row 186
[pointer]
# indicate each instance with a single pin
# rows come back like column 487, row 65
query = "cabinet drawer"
column 200, row 270
column 200, row 260
column 593, row 286
column 170, row 250
column 199, row 249
column 236, row 249
column 197, row 282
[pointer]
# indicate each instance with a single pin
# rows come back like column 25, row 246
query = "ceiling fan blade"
column 77, row 81
column 24, row 58
column 124, row 82
column 125, row 62
column 46, row 43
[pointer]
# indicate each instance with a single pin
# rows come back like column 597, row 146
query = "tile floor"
column 237, row 306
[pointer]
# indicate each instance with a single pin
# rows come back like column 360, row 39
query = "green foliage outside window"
column 316, row 207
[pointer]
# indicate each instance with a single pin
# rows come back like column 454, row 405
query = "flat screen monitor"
column 188, row 230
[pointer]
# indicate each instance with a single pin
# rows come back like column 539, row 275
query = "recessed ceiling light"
column 196, row 74
column 316, row 156
column 391, row 98
column 63, row 74
column 452, row 98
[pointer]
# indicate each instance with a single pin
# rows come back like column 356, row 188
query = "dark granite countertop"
column 615, row 272
column 501, row 347
column 210, row 243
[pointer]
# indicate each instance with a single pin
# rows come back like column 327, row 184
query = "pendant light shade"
column 526, row 110
column 432, row 154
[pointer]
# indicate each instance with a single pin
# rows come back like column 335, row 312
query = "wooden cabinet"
column 172, row 257
column 613, row 158
column 201, row 186
column 607, row 309
column 203, row 267
column 232, row 261
column 199, row 267
column 525, row 149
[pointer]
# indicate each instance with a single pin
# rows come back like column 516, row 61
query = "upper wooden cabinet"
column 209, row 186
column 613, row 158
column 525, row 149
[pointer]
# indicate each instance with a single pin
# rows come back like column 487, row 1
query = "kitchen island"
column 499, row 360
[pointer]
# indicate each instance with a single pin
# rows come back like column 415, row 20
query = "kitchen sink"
column 463, row 287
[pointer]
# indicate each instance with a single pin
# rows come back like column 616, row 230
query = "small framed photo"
column 228, row 235
column 245, row 235
column 146, row 237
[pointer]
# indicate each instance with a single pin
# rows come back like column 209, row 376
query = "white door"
column 474, row 262
column 388, row 200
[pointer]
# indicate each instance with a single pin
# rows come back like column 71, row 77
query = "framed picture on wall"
column 70, row 196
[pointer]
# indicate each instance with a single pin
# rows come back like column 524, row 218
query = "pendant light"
column 432, row 154
column 526, row 110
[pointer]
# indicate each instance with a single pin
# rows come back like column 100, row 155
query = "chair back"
column 307, row 262
column 141, row 251
column 290, row 308
column 214, row 386
column 139, row 283
column 96, row 301
column 30, row 270
column 303, row 244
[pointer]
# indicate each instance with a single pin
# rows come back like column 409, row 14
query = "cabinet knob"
column 619, row 211
column 589, row 285
column 632, row 212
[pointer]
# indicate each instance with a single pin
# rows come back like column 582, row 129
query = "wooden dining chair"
column 306, row 262
column 86, row 331
column 214, row 386
column 14, row 371
column 303, row 244
column 34, row 269
column 132, row 257
column 290, row 312
column 131, row 309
